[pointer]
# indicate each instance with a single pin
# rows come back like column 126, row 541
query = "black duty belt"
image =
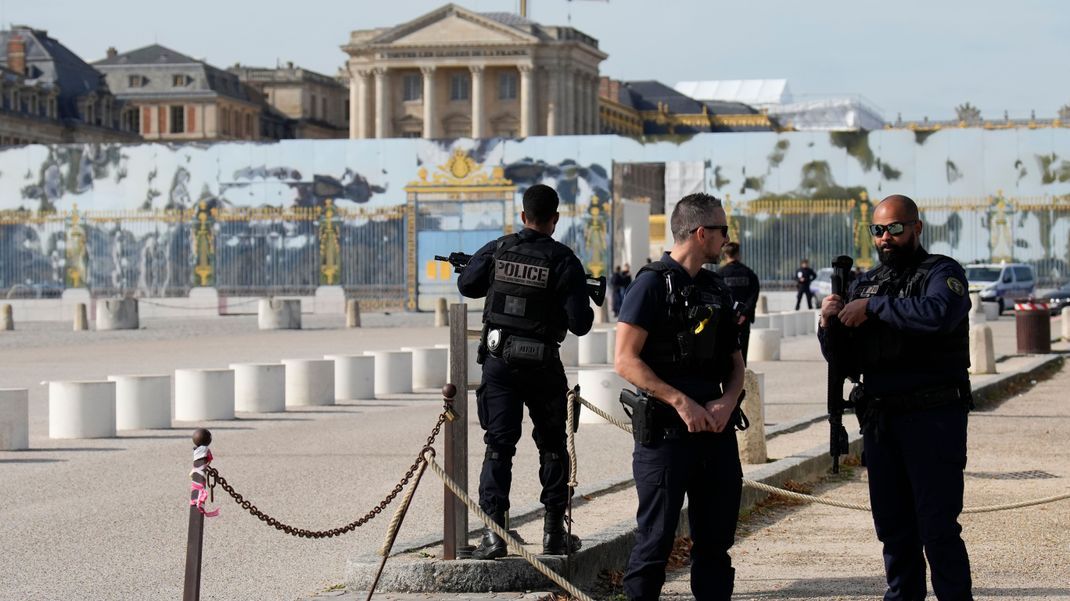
column 916, row 401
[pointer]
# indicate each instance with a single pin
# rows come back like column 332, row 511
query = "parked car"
column 1001, row 283
column 822, row 284
column 1057, row 299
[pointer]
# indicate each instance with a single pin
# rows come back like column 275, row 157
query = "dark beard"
column 895, row 258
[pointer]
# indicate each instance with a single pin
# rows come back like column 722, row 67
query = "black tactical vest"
column 695, row 316
column 521, row 299
column 876, row 345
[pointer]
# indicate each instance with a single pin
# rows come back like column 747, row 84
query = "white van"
column 1001, row 283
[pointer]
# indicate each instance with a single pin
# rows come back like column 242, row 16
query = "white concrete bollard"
column 14, row 419
column 791, row 324
column 117, row 314
column 991, row 310
column 204, row 394
column 83, row 409
column 601, row 388
column 1064, row 315
column 752, row 448
column 776, row 322
column 764, row 345
column 760, row 321
column 982, row 351
column 977, row 310
column 81, row 318
column 393, row 371
column 762, row 308
column 430, row 366
column 329, row 300
column 309, row 382
column 354, row 377
column 592, row 348
column 810, row 321
column 475, row 370
column 611, row 346
column 601, row 313
column 352, row 313
column 7, row 318
column 259, row 387
column 442, row 314
column 570, row 350
column 142, row 402
column 279, row 314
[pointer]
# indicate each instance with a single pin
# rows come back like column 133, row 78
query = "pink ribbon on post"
column 202, row 493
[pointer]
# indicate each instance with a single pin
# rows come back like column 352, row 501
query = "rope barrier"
column 831, row 502
column 511, row 542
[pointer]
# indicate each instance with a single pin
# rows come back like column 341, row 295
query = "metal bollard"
column 455, row 437
column 191, row 591
column 1032, row 324
column 7, row 318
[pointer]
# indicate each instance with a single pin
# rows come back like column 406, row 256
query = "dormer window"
column 181, row 81
column 137, row 81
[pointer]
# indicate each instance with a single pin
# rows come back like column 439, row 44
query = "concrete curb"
column 609, row 549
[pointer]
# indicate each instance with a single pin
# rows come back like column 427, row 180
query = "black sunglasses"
column 722, row 228
column 895, row 228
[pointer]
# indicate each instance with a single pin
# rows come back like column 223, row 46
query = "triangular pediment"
column 452, row 24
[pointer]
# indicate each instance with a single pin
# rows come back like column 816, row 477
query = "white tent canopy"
column 829, row 114
column 758, row 93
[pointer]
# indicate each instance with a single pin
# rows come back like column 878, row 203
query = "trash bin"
column 1032, row 323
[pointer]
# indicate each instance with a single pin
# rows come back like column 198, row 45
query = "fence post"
column 195, row 538
column 455, row 443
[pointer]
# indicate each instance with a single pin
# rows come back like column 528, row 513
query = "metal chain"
column 212, row 478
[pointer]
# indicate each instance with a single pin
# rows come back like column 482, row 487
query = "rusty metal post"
column 455, row 442
column 195, row 538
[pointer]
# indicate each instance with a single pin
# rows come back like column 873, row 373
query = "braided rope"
column 399, row 513
column 570, row 419
column 511, row 542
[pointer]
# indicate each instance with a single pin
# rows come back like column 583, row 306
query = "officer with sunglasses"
column 906, row 329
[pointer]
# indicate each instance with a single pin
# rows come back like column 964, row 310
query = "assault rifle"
column 840, row 368
column 596, row 286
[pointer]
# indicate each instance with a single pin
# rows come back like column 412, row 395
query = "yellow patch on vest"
column 956, row 286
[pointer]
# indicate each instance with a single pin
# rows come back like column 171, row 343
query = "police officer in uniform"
column 906, row 323
column 536, row 290
column 677, row 339
column 743, row 283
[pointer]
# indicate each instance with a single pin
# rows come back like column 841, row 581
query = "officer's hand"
column 831, row 306
column 695, row 416
column 742, row 319
column 854, row 313
column 721, row 411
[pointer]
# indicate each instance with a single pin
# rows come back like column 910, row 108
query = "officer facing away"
column 677, row 339
column 907, row 324
column 536, row 290
column 743, row 283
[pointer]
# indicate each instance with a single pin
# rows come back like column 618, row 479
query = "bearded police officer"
column 906, row 324
column 677, row 340
column 536, row 290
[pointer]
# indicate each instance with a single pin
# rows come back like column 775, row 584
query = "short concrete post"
column 354, row 377
column 352, row 313
column 429, row 367
column 393, row 372
column 14, row 419
column 117, row 314
column 7, row 318
column 601, row 314
column 442, row 316
column 776, row 322
column 475, row 370
column 764, row 345
column 279, row 314
column 309, row 382
column 142, row 402
column 977, row 310
column 991, row 310
column 601, row 388
column 611, row 345
column 791, row 324
column 752, row 449
column 81, row 318
column 570, row 350
column 81, row 409
column 762, row 308
column 1064, row 315
column 204, row 394
column 259, row 387
column 982, row 351
column 593, row 348
column 760, row 322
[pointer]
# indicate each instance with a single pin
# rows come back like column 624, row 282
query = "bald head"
column 896, row 208
column 896, row 249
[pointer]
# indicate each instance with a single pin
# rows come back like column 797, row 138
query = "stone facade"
column 456, row 73
column 178, row 98
column 316, row 103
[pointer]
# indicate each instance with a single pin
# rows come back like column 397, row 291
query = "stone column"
column 382, row 103
column 477, row 101
column 355, row 86
column 553, row 113
column 527, row 101
column 568, row 107
column 584, row 103
column 596, row 116
column 429, row 101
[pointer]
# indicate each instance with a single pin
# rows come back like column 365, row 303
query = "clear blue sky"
column 912, row 57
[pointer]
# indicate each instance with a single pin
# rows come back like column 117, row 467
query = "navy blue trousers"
column 706, row 468
column 915, row 462
column 500, row 400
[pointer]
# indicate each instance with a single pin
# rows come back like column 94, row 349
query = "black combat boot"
column 492, row 546
column 555, row 538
